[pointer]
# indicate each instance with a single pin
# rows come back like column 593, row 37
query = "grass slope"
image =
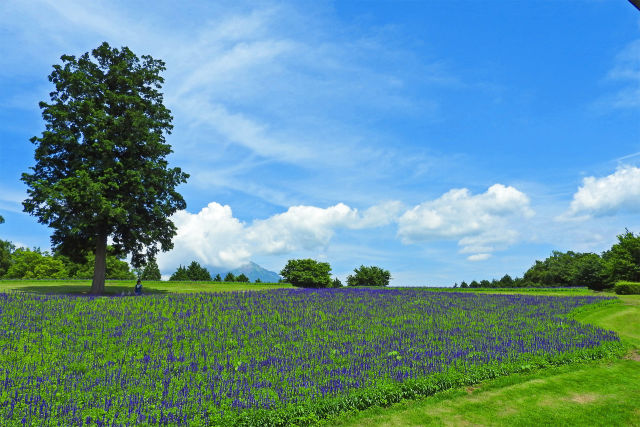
column 116, row 287
column 601, row 393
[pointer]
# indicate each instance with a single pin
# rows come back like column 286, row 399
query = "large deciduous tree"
column 622, row 261
column 101, row 171
column 307, row 273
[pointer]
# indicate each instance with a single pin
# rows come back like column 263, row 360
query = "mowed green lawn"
column 117, row 287
column 601, row 393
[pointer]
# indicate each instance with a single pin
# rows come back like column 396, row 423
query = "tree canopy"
column 100, row 164
column 23, row 263
column 194, row 272
column 307, row 273
column 369, row 276
column 151, row 271
column 180, row 275
column 622, row 261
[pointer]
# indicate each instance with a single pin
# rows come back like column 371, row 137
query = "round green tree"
column 369, row 276
column 101, row 171
column 307, row 273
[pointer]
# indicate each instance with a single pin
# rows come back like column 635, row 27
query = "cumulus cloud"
column 479, row 222
column 300, row 227
column 212, row 236
column 215, row 237
column 608, row 195
column 379, row 215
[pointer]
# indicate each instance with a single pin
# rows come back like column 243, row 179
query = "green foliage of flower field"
column 277, row 357
column 596, row 393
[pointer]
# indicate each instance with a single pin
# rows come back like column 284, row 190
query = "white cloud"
column 608, row 195
column 239, row 129
column 480, row 223
column 282, row 85
column 300, row 227
column 479, row 257
column 490, row 240
column 379, row 215
column 212, row 236
column 627, row 71
column 215, row 237
column 11, row 199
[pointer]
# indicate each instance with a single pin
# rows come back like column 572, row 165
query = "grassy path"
column 116, row 287
column 601, row 393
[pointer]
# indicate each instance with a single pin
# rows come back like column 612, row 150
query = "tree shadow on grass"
column 83, row 290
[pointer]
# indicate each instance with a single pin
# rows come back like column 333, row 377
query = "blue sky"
column 441, row 140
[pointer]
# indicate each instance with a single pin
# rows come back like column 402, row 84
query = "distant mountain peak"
column 252, row 270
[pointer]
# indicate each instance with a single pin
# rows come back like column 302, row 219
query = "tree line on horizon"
column 309, row 273
column 572, row 269
column 196, row 272
column 24, row 263
column 36, row 264
column 561, row 269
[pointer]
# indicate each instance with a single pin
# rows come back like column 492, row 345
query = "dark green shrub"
column 627, row 288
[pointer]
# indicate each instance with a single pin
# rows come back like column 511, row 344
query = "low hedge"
column 627, row 288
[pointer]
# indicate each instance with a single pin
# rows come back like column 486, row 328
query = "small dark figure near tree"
column 138, row 288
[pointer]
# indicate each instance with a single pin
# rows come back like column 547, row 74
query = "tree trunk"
column 100, row 267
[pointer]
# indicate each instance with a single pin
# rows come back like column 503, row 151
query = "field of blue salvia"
column 270, row 357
